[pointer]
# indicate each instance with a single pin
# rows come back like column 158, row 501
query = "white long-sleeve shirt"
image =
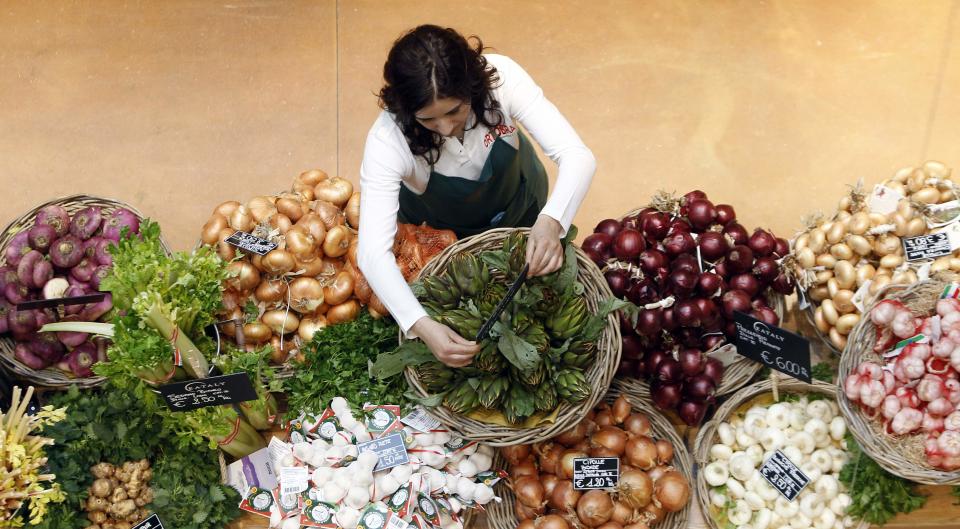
column 388, row 164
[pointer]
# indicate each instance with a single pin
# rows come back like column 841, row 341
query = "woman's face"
column 446, row 116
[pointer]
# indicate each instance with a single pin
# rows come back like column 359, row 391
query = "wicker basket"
column 50, row 377
column 921, row 299
column 736, row 373
column 501, row 515
column 600, row 373
column 708, row 433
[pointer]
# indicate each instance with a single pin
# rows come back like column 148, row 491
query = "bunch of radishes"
column 443, row 476
column 916, row 388
column 59, row 257
column 689, row 265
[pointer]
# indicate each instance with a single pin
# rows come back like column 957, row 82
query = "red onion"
column 678, row 243
column 782, row 284
column 669, row 322
column 668, row 370
column 619, row 282
column 656, row 226
column 687, row 313
column 766, row 269
column 713, row 245
column 739, row 259
column 679, row 224
column 782, row 248
column 737, row 233
column 745, row 282
column 721, row 269
column 597, row 246
column 710, row 341
column 649, row 322
column 714, row 369
column 699, row 387
column 766, row 315
column 653, row 359
column 735, row 300
column 709, row 313
column 725, row 214
column 691, row 361
column 691, row 412
column 693, row 195
column 652, row 259
column 609, row 226
column 688, row 337
column 643, row 292
column 632, row 346
column 666, row 396
column 762, row 242
column 709, row 283
column 628, row 244
column 626, row 368
column 632, row 223
column 701, row 213
column 686, row 262
column 682, row 282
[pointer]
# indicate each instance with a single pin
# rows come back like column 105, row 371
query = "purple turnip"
column 102, row 252
column 5, row 309
column 25, row 356
column 74, row 282
column 74, row 291
column 66, row 252
column 94, row 311
column 8, row 274
column 16, row 293
column 26, row 265
column 42, row 273
column 19, row 246
column 81, row 359
column 90, row 247
column 56, row 217
column 83, row 271
column 86, row 222
column 44, row 316
column 101, row 272
column 40, row 237
column 47, row 347
column 71, row 339
column 119, row 219
column 22, row 321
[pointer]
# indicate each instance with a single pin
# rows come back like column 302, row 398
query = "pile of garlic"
column 811, row 434
column 861, row 246
column 444, row 476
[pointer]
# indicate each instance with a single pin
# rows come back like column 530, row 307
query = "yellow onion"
column 352, row 211
column 311, row 177
column 335, row 190
column 210, row 233
column 244, row 276
column 330, row 214
column 225, row 250
column 310, row 326
column 343, row 312
column 256, row 332
column 262, row 208
column 278, row 262
column 241, row 219
column 306, row 294
column 313, row 224
column 312, row 268
column 281, row 223
column 281, row 321
column 227, row 208
column 271, row 291
column 337, row 241
column 361, row 288
column 340, row 289
column 291, row 207
column 280, row 354
column 301, row 244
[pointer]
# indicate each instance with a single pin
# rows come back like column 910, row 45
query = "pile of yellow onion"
column 310, row 281
column 836, row 257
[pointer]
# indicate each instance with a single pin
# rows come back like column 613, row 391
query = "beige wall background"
column 175, row 106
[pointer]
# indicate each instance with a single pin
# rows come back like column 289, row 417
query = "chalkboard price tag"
column 926, row 247
column 390, row 450
column 772, row 346
column 251, row 243
column 596, row 473
column 783, row 475
column 61, row 302
column 212, row 391
column 151, row 522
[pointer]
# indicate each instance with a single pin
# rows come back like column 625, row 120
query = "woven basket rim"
column 50, row 377
column 707, row 434
column 502, row 515
column 859, row 347
column 600, row 374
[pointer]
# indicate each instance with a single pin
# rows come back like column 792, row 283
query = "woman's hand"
column 448, row 346
column 544, row 251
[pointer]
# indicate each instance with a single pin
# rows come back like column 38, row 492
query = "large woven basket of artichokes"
column 550, row 358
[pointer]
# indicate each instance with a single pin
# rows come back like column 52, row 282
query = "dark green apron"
column 511, row 191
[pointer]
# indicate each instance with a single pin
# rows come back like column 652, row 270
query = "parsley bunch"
column 877, row 495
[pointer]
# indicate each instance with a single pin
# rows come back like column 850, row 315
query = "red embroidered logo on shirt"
column 501, row 130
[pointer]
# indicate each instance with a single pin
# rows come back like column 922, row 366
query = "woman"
column 446, row 151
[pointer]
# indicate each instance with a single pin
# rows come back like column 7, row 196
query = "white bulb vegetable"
column 785, row 508
column 333, row 492
column 820, row 409
column 720, row 452
column 741, row 465
column 483, row 494
column 482, row 461
column 347, row 518
column 822, row 459
column 740, row 514
column 727, row 434
column 357, row 497
column 840, row 504
column 838, row 428
column 772, row 438
column 321, row 476
column 368, row 460
column 735, row 489
column 762, row 519
column 811, row 505
column 303, row 451
column 803, row 441
column 716, row 473
column 467, row 468
column 778, row 416
column 402, row 473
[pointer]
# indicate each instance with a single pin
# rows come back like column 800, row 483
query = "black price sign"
column 58, row 302
column 390, row 449
column 213, row 391
column 926, row 247
column 251, row 243
column 151, row 522
column 783, row 475
column 596, row 473
column 772, row 346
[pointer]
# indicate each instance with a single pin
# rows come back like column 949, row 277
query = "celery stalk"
column 193, row 360
column 89, row 327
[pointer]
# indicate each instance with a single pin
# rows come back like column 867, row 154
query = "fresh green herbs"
column 877, row 495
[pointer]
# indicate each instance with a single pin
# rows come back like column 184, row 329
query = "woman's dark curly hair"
column 428, row 63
